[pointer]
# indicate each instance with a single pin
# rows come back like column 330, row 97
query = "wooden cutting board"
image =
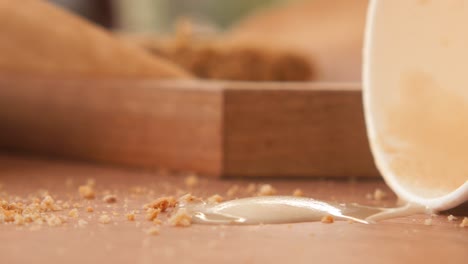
column 209, row 127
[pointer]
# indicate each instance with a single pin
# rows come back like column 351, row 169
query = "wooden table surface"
column 402, row 240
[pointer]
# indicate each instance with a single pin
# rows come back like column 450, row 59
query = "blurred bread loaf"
column 328, row 31
column 38, row 38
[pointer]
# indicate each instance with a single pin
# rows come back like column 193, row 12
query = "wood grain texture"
column 170, row 124
column 213, row 128
column 296, row 130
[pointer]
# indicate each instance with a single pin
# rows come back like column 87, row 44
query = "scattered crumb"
column 379, row 195
column 428, row 221
column 328, row 219
column 82, row 223
column 451, row 218
column 251, row 188
column 77, row 205
column 162, row 203
column 54, row 220
column 152, row 213
column 73, row 213
column 154, row 230
column 265, row 190
column 131, row 216
column 180, row 218
column 89, row 209
column 110, row 198
column 86, row 191
column 369, row 196
column 189, row 198
column 464, row 222
column 157, row 222
column 104, row 219
column 215, row 199
column 66, row 205
column 298, row 193
column 233, row 190
column 191, row 181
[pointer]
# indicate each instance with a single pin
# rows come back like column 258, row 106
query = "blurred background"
column 159, row 15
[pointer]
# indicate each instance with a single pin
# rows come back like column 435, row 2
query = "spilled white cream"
column 289, row 209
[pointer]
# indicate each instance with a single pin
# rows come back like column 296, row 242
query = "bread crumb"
column 451, row 218
column 428, row 221
column 157, row 222
column 131, row 216
column 215, row 199
column 66, row 205
column 379, row 195
column 152, row 213
column 77, row 205
column 110, row 198
column 162, row 203
column 181, row 218
column 54, row 220
column 464, row 222
column 328, row 219
column 153, row 231
column 86, row 191
column 251, row 188
column 266, row 190
column 369, row 196
column 191, row 181
column 19, row 219
column 89, row 209
column 189, row 198
column 73, row 213
column 82, row 223
column 233, row 190
column 298, row 193
column 104, row 219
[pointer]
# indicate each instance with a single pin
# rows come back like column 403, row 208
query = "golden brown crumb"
column 86, row 191
column 162, row 203
column 191, row 181
column 65, row 205
column 232, row 191
column 379, row 195
column 73, row 213
column 189, row 198
column 298, row 193
column 154, row 230
column 157, row 222
column 82, row 223
column 19, row 219
column 131, row 216
column 215, row 199
column 77, row 205
column 104, row 219
column 266, row 190
column 180, row 218
column 464, row 222
column 428, row 221
column 152, row 213
column 251, row 188
column 54, row 220
column 328, row 219
column 89, row 209
column 451, row 218
column 110, row 198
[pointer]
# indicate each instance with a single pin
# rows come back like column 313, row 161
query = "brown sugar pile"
column 212, row 58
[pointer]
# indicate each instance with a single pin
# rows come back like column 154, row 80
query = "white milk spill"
column 289, row 209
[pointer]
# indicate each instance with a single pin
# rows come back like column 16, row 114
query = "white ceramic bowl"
column 415, row 79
